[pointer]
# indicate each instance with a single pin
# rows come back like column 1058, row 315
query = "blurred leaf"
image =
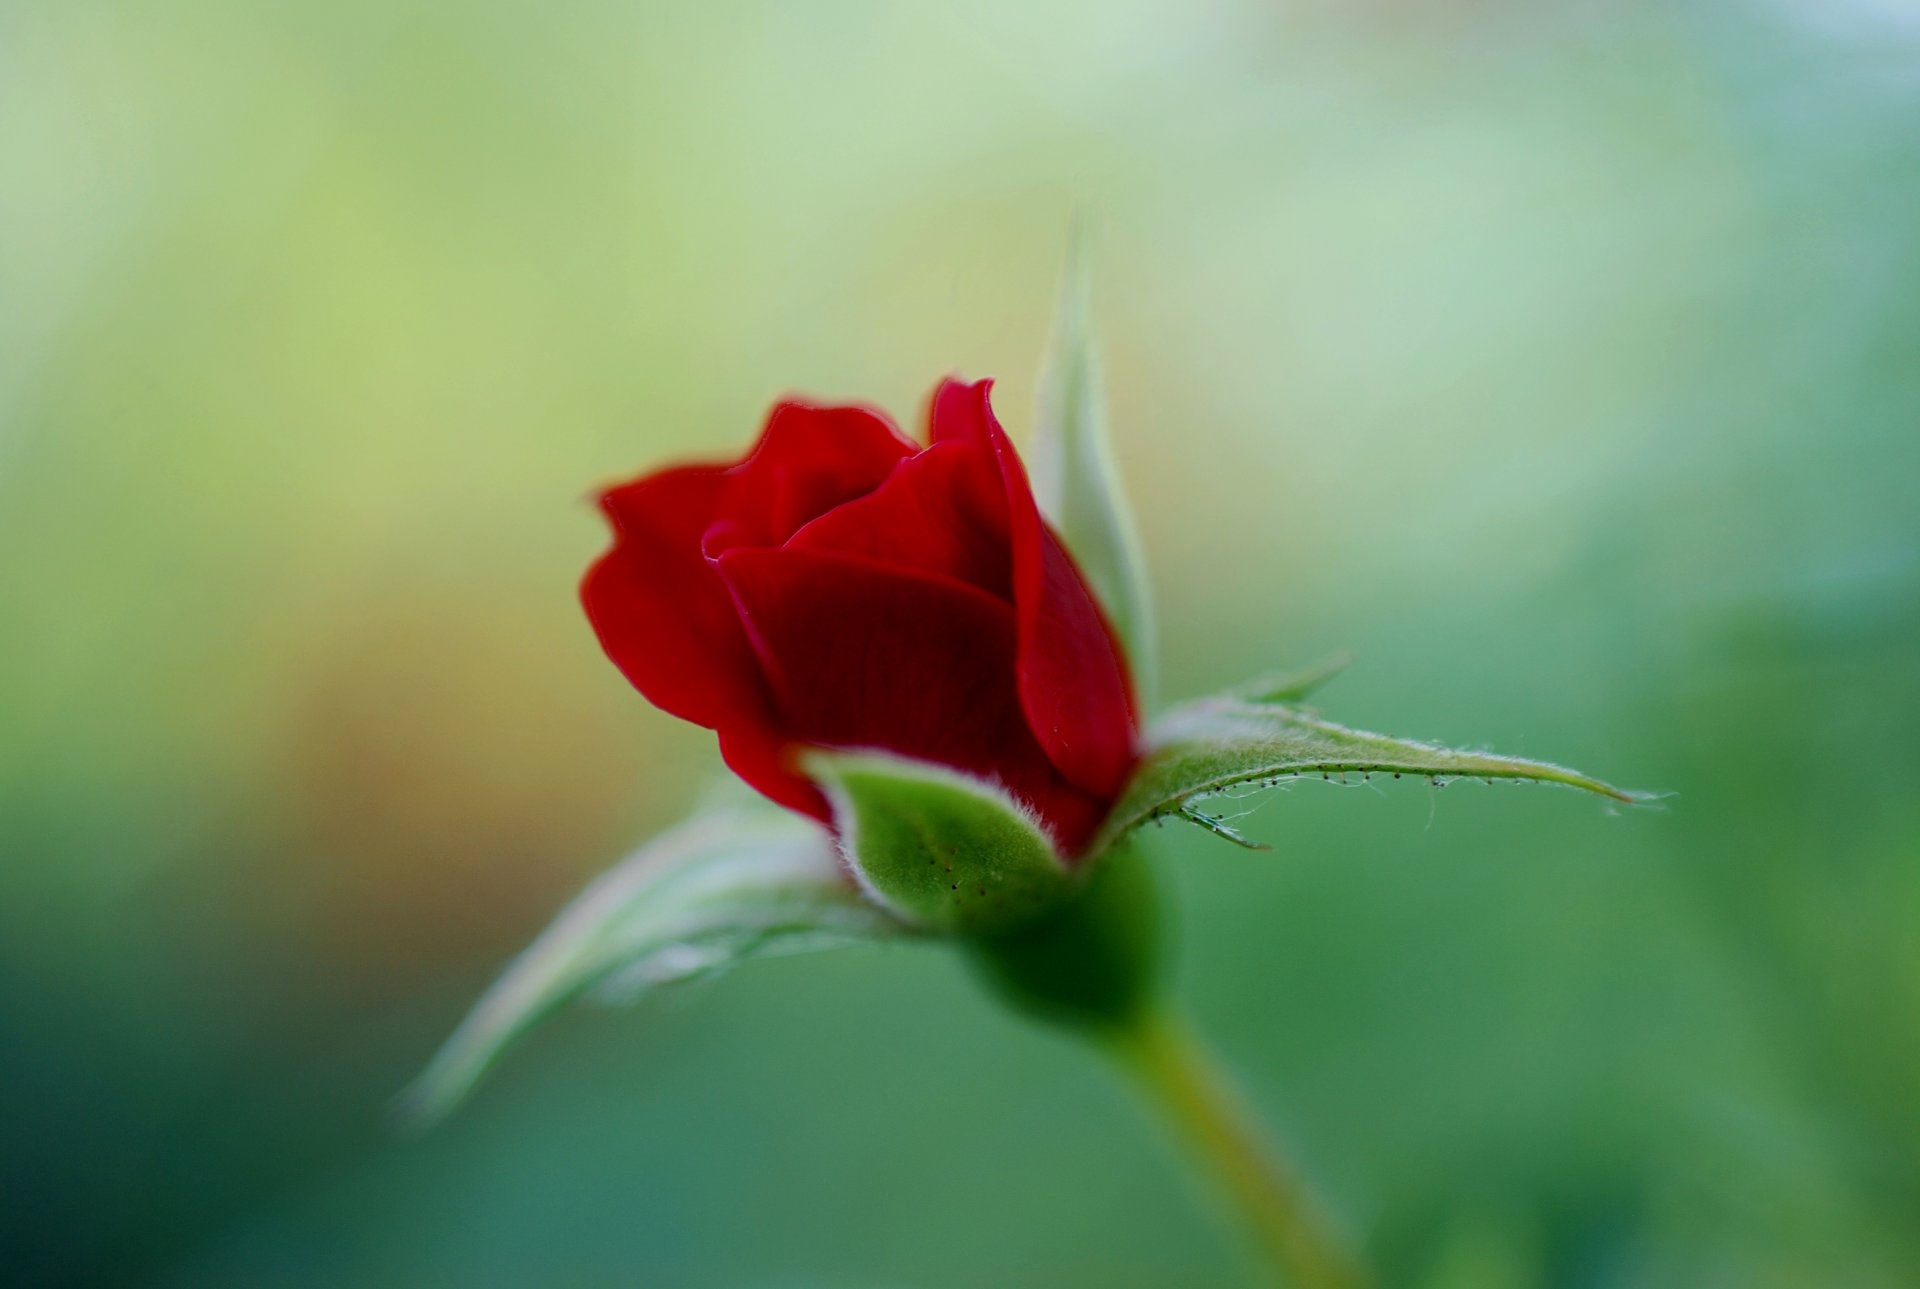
column 1215, row 744
column 1077, row 482
column 723, row 887
column 940, row 849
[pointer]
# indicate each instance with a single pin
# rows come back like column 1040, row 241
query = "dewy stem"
column 1173, row 1066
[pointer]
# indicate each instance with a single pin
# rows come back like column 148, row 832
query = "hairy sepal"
column 942, row 851
column 732, row 883
column 1233, row 741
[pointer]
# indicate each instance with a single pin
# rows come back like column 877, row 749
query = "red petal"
column 1074, row 684
column 861, row 655
column 809, row 459
column 764, row 760
column 661, row 612
column 941, row 512
column 960, row 411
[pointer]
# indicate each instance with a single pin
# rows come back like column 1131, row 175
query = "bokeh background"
column 1560, row 360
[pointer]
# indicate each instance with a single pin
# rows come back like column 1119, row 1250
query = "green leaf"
column 938, row 849
column 725, row 886
column 1216, row 744
column 1077, row 482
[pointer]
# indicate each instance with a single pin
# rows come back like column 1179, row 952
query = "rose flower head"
column 845, row 587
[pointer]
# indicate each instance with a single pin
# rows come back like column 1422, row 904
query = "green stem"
column 1178, row 1074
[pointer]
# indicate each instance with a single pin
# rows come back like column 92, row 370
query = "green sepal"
column 1217, row 744
column 726, row 885
column 938, row 849
column 1284, row 687
column 1077, row 482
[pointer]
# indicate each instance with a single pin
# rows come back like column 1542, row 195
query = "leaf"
column 938, row 849
column 1215, row 744
column 725, row 886
column 1077, row 482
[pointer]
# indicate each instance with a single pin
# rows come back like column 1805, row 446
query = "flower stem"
column 1185, row 1084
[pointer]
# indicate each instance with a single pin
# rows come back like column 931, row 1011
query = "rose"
column 843, row 587
column 890, row 639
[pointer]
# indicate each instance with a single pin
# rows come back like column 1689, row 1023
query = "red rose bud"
column 843, row 587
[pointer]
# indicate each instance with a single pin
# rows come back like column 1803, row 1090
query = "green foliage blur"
column 1560, row 360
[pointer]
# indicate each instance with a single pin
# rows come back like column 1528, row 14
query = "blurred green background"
column 1561, row 360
